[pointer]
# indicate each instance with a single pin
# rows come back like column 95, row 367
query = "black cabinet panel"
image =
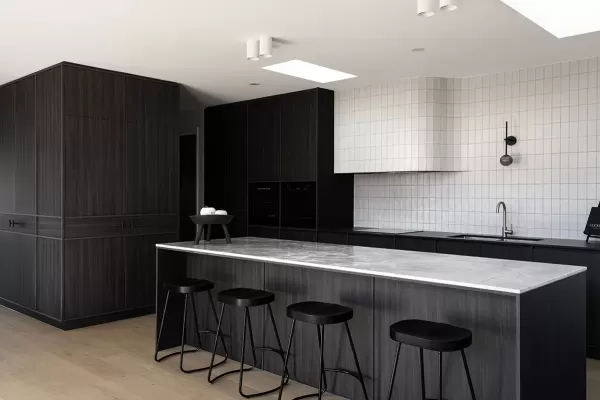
column 49, row 277
column 94, row 165
column 18, row 223
column 7, row 148
column 17, row 270
column 264, row 140
column 24, row 156
column 298, row 234
column 590, row 259
column 415, row 244
column 215, row 164
column 299, row 136
column 369, row 240
column 49, row 144
column 263, row 231
column 459, row 248
column 94, row 277
column 507, row 251
column 333, row 237
column 236, row 144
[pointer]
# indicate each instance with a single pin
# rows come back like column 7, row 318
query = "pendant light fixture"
column 252, row 49
column 448, row 5
column 507, row 160
column 266, row 46
column 426, row 8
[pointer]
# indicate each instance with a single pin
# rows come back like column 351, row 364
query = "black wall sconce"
column 507, row 160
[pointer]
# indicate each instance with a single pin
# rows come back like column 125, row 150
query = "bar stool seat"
column 314, row 312
column 188, row 285
column 429, row 335
column 244, row 297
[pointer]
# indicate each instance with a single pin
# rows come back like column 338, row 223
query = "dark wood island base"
column 526, row 346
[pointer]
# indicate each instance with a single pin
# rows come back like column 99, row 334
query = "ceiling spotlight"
column 252, row 50
column 266, row 46
column 448, row 5
column 426, row 8
column 418, row 49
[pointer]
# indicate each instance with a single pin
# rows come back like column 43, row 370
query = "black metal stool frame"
column 323, row 379
column 441, row 389
column 188, row 297
column 241, row 370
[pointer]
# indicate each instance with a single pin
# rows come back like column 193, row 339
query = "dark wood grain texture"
column 299, row 136
column 492, row 357
column 94, row 277
column 17, row 281
column 7, row 148
column 49, row 143
column 18, row 223
column 264, row 157
column 292, row 285
column 94, row 164
column 552, row 346
column 51, row 227
column 24, row 155
column 188, row 185
column 49, row 288
column 91, row 227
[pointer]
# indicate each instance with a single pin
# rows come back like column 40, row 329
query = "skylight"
column 308, row 71
column 562, row 18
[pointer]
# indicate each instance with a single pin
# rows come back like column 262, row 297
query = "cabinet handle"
column 10, row 223
column 123, row 225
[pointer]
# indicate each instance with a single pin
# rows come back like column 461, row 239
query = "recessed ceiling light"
column 254, row 84
column 418, row 49
column 308, row 71
column 562, row 18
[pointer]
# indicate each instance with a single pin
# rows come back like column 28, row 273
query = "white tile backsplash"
column 552, row 110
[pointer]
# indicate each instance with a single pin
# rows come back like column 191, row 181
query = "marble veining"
column 501, row 276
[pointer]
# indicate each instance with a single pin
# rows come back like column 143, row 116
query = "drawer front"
column 49, row 227
column 17, row 223
column 91, row 227
column 368, row 240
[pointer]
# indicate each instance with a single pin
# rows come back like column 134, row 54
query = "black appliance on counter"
column 263, row 199
column 299, row 205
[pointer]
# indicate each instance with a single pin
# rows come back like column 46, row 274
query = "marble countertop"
column 485, row 274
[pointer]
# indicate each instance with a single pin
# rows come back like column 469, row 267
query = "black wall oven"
column 299, row 205
column 263, row 201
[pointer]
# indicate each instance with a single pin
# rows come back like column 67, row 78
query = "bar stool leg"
column 441, row 390
column 162, row 322
column 212, row 359
column 287, row 358
column 183, row 333
column 322, row 369
column 393, row 377
column 196, row 324
column 324, row 375
column 251, row 337
column 360, row 375
column 241, row 384
column 462, row 352
column 422, row 374
column 278, row 339
column 214, row 310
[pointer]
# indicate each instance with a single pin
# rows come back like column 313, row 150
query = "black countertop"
column 594, row 244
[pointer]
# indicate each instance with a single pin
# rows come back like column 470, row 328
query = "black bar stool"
column 246, row 298
column 321, row 314
column 187, row 287
column 434, row 336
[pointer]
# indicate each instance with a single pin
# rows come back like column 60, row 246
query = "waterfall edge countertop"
column 485, row 274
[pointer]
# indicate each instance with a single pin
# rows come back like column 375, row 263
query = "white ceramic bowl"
column 221, row 212
column 207, row 211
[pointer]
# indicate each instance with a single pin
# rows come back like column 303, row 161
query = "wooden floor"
column 114, row 361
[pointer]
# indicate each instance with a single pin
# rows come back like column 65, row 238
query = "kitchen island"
column 527, row 319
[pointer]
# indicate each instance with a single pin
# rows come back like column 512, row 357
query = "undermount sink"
column 496, row 238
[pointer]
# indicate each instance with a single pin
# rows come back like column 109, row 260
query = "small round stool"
column 434, row 336
column 247, row 298
column 187, row 287
column 321, row 314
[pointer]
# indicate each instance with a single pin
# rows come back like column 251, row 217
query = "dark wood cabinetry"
column 299, row 137
column 276, row 140
column 461, row 248
column 89, row 177
column 507, row 251
column 264, row 139
column 415, row 244
column 369, row 240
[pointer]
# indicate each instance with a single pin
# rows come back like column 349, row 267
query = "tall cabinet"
column 88, row 186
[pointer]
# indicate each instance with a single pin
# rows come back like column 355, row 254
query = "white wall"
column 552, row 110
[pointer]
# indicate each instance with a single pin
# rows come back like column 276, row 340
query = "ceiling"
column 201, row 43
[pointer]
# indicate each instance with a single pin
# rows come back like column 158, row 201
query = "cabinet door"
column 299, row 136
column 7, row 148
column 93, row 167
column 17, row 270
column 415, row 244
column 507, row 251
column 25, row 146
column 49, row 268
column 151, row 168
column 459, row 248
column 215, row 172
column 140, row 259
column 333, row 237
column 94, row 280
column 264, row 140
column 236, row 201
column 368, row 240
